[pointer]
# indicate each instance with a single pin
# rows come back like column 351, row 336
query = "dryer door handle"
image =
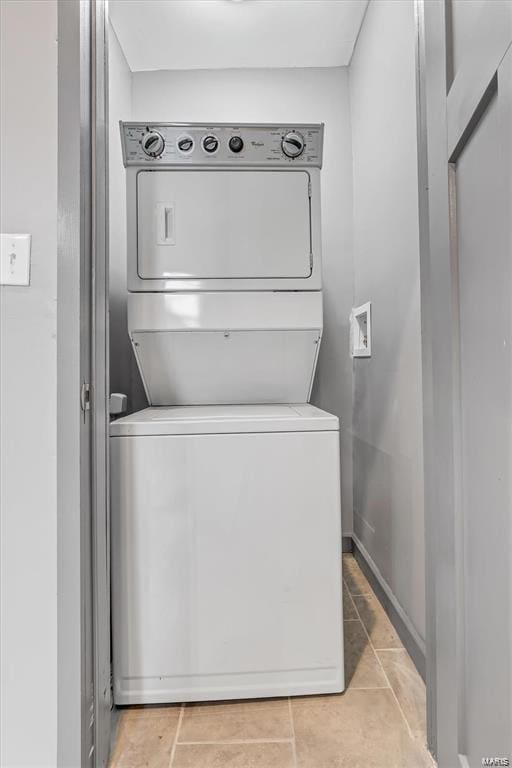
column 165, row 224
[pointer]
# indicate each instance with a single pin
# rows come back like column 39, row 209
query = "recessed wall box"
column 361, row 331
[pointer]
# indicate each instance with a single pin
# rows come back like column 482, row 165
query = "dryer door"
column 213, row 224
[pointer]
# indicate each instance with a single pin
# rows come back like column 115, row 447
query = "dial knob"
column 236, row 144
column 185, row 144
column 292, row 144
column 210, row 144
column 153, row 143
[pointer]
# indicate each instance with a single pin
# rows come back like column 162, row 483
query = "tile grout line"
column 376, row 652
column 344, row 584
column 401, row 647
column 176, row 735
column 368, row 594
column 356, row 594
column 225, row 742
column 359, row 619
column 397, row 650
column 194, row 715
column 292, row 723
column 387, row 650
column 385, row 675
column 351, row 595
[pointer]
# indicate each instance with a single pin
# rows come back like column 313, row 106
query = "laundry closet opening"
column 252, row 451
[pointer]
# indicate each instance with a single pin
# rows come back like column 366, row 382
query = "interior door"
column 481, row 225
column 76, row 689
column 223, row 224
column 467, row 297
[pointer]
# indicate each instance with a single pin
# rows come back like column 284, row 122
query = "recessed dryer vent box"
column 361, row 331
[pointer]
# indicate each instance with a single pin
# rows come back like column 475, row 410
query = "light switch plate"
column 15, row 259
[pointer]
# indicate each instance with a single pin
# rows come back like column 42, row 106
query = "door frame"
column 83, row 167
column 435, row 279
column 100, row 379
column 83, row 675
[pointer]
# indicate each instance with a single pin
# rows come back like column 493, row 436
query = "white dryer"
column 226, row 537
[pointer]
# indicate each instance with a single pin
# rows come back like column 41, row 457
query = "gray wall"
column 28, row 381
column 387, row 417
column 284, row 95
column 124, row 374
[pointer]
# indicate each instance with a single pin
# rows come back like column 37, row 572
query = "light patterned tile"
column 354, row 577
column 145, row 739
column 237, row 721
column 358, row 729
column 349, row 611
column 150, row 710
column 363, row 728
column 377, row 623
column 362, row 668
column 263, row 755
column 409, row 689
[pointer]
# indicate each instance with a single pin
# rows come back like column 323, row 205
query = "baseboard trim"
column 401, row 622
column 347, row 544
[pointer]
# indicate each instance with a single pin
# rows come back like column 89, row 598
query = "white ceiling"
column 219, row 34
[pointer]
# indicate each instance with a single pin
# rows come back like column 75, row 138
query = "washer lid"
column 224, row 419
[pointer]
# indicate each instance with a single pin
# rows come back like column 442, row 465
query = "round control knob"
column 236, row 144
column 292, row 144
column 185, row 144
column 210, row 144
column 153, row 143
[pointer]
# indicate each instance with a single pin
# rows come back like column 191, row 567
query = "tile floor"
column 379, row 722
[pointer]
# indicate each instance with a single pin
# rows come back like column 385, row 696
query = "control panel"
column 157, row 144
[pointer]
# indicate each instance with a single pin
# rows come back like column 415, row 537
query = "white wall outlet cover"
column 361, row 330
column 15, row 259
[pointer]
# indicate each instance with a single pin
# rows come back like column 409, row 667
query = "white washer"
column 226, row 552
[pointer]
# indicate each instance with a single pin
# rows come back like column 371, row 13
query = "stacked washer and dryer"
column 226, row 532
